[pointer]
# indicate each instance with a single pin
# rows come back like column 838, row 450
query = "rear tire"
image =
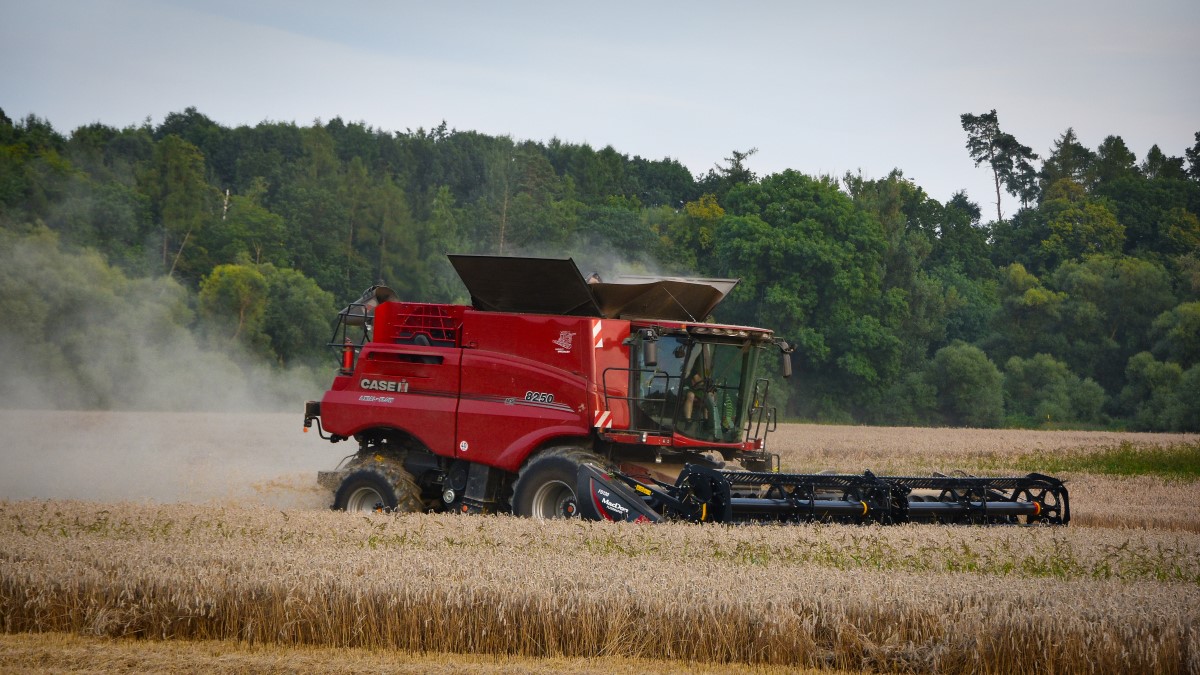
column 545, row 487
column 378, row 488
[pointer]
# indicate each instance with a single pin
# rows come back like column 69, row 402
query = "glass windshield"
column 697, row 388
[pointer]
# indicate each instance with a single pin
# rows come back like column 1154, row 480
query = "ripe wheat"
column 814, row 447
column 923, row 598
column 1099, row 596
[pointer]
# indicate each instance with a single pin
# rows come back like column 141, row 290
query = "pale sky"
column 822, row 88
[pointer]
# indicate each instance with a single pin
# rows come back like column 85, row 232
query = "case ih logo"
column 566, row 339
column 400, row 387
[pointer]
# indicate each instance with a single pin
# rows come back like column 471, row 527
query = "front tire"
column 545, row 488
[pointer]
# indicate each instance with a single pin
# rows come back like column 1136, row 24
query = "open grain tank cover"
column 665, row 298
column 555, row 286
column 525, row 285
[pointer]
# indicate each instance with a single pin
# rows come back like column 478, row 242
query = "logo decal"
column 566, row 340
column 400, row 387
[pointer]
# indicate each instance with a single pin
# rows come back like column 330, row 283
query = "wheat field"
column 900, row 450
column 248, row 569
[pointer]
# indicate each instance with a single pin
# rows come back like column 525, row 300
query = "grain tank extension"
column 552, row 397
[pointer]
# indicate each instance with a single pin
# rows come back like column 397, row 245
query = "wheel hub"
column 555, row 499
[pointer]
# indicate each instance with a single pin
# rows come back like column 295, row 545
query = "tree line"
column 1081, row 308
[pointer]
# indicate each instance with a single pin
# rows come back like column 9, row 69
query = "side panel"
column 611, row 372
column 524, row 381
column 404, row 387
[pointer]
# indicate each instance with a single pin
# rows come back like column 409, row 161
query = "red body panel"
column 484, row 386
column 524, row 382
column 410, row 388
column 610, row 372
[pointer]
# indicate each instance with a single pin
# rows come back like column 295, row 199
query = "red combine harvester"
column 553, row 397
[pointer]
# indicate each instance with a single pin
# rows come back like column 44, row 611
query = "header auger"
column 551, row 396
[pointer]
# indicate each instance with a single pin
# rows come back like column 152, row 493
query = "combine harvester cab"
column 555, row 396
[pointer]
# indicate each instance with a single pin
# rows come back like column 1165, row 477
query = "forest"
column 233, row 248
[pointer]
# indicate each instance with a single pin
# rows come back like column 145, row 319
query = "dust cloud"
column 595, row 256
column 197, row 457
column 111, row 390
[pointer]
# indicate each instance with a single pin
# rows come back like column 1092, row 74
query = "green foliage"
column 1027, row 317
column 1087, row 294
column 1159, row 165
column 961, row 243
column 1143, row 206
column 298, row 318
column 1177, row 334
column 1109, row 305
column 1186, row 411
column 1114, row 161
column 247, row 228
column 1186, row 276
column 969, row 387
column 720, row 180
column 911, row 400
column 276, row 312
column 1178, row 462
column 80, row 333
column 1154, row 395
column 1042, row 390
column 616, row 226
column 913, row 303
column 1193, row 158
column 970, row 304
column 180, row 199
column 809, row 263
column 694, row 232
column 234, row 300
column 1076, row 226
column 1008, row 159
column 1070, row 160
column 1179, row 232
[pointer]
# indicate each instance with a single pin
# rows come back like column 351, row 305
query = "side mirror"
column 649, row 349
column 786, row 352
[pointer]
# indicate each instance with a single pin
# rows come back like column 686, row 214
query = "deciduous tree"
column 1176, row 334
column 1043, row 390
column 1075, row 226
column 234, row 299
column 969, row 386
